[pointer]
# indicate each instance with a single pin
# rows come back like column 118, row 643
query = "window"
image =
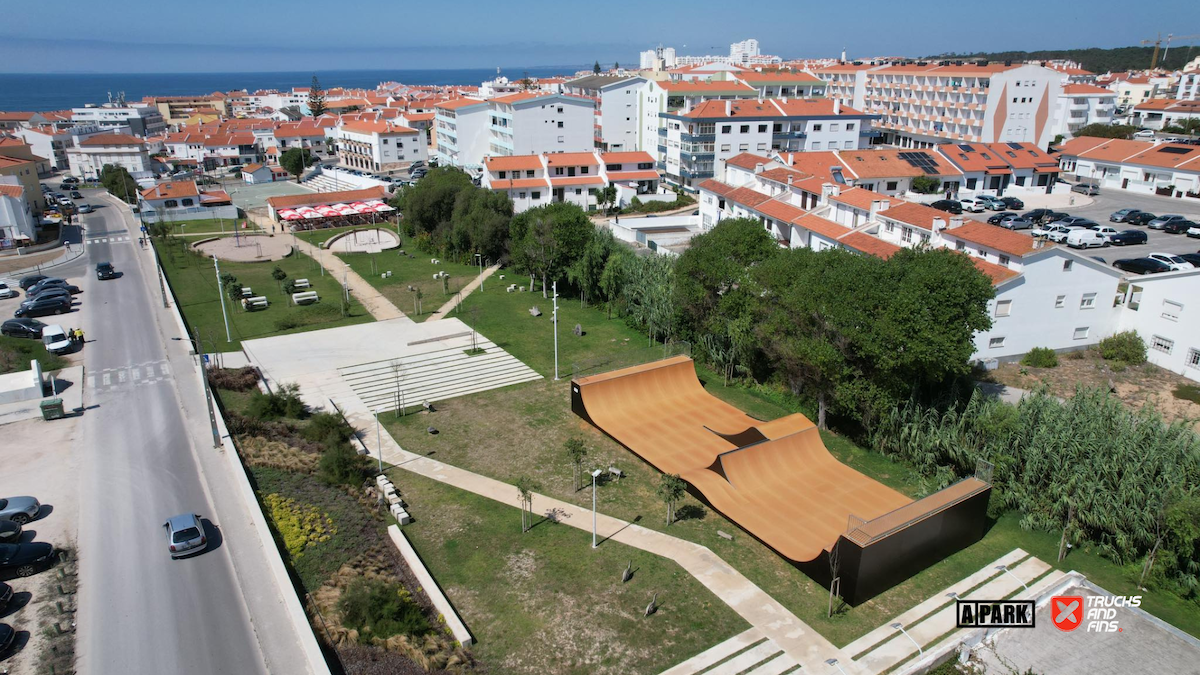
column 1003, row 307
column 891, row 185
column 560, row 139
column 849, row 145
column 745, row 129
column 762, row 147
column 560, row 111
column 1162, row 344
column 583, row 170
column 995, row 343
column 558, row 171
column 849, row 126
column 1067, row 265
column 816, row 145
column 645, row 166
column 522, row 195
column 1004, row 260
column 906, row 235
column 1081, row 333
column 1060, row 302
column 504, row 174
column 536, row 195
column 959, row 246
column 743, row 147
column 724, row 147
column 834, row 127
column 578, row 191
column 817, row 127
column 612, row 167
column 385, row 141
column 1171, row 310
column 170, row 203
column 889, row 227
column 777, row 128
column 560, row 124
column 1193, row 359
column 1088, row 301
column 762, row 128
column 726, row 128
column 528, row 174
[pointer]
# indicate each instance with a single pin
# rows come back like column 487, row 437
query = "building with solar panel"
column 1169, row 169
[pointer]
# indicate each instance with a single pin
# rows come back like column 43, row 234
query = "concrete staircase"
column 747, row 653
column 323, row 183
column 435, row 376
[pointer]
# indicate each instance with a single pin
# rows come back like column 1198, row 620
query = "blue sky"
column 265, row 35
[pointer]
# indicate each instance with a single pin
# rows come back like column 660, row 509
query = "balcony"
column 662, row 131
column 785, row 135
column 698, row 138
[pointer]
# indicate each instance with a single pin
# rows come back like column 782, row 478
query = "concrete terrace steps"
column 416, row 369
column 415, row 361
column 747, row 653
column 451, row 367
column 414, row 397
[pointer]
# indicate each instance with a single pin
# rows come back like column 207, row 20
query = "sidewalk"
column 461, row 295
column 379, row 306
column 796, row 638
column 66, row 253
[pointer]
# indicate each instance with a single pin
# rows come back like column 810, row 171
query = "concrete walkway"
column 461, row 295
column 797, row 640
column 379, row 306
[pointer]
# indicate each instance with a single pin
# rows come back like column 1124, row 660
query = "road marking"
column 165, row 372
column 136, row 372
column 107, row 379
column 121, row 376
column 91, row 382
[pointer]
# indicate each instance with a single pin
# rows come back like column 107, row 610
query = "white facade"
column 620, row 115
column 379, row 146
column 1080, row 105
column 87, row 160
column 534, row 124
column 1163, row 309
column 462, row 132
column 53, row 144
column 1189, row 85
column 16, row 220
column 140, row 120
column 1135, row 166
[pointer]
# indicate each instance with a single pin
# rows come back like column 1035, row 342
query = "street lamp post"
column 595, row 475
column 900, row 627
column 554, row 320
column 221, row 295
column 834, row 663
column 212, row 414
column 1004, row 568
column 378, row 441
column 480, row 258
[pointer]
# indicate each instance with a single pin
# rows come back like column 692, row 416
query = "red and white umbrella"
column 345, row 209
column 288, row 214
column 327, row 211
column 309, row 213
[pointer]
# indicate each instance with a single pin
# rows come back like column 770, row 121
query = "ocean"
column 37, row 92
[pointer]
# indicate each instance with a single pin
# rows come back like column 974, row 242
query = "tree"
column 671, row 489
column 587, row 270
column 278, row 275
column 576, row 452
column 715, row 269
column 525, row 487
column 316, row 99
column 607, row 196
column 296, row 160
column 119, row 183
column 481, row 219
column 1099, row 130
column 926, row 185
column 1187, row 125
column 612, row 278
column 616, row 66
column 648, row 292
column 547, row 240
column 596, row 68
column 429, row 205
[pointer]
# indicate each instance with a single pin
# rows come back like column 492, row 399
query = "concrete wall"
column 536, row 130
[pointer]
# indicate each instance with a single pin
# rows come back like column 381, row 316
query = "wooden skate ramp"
column 775, row 479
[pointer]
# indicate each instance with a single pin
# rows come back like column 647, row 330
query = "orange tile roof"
column 747, row 161
column 1169, row 105
column 994, row 237
column 759, row 108
column 747, row 196
column 706, row 87
column 780, row 210
column 111, row 139
column 515, row 162
column 713, row 185
column 363, row 127
column 822, row 226
column 172, row 190
column 1086, row 90
column 298, row 130
column 645, row 174
column 251, row 168
column 16, row 116
column 624, row 157
column 994, row 272
column 15, row 191
column 456, row 103
column 1024, row 156
column 888, row 164
column 1169, row 156
column 782, row 174
column 565, row 181
column 861, row 198
column 973, row 157
column 1080, row 144
column 779, row 76
column 1116, row 150
column 510, row 183
column 915, row 214
column 571, row 159
column 5, row 161
column 520, row 96
column 865, row 243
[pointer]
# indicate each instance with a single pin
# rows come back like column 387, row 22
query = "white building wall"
column 554, row 125
column 620, row 117
column 15, row 217
column 1071, row 112
column 1165, row 311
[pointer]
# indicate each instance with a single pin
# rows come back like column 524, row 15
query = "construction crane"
column 1158, row 41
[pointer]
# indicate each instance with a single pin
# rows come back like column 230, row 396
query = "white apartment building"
column 137, row 119
column 659, row 58
column 51, row 143
column 691, row 144
column 536, row 180
column 89, row 157
column 1160, row 113
column 1189, row 85
column 462, row 129
column 379, row 146
column 1080, row 105
column 321, row 141
column 17, row 223
column 531, row 123
column 925, row 103
column 784, row 83
column 618, row 108
column 1162, row 308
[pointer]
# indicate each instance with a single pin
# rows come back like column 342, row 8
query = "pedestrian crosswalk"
column 138, row 374
column 106, row 240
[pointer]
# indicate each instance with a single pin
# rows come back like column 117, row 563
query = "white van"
column 1081, row 238
column 56, row 340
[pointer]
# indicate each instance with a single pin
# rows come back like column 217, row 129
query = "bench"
column 724, row 535
column 246, row 292
column 305, row 297
column 258, row 302
column 614, row 471
column 435, row 261
column 535, row 311
column 301, row 283
column 511, row 288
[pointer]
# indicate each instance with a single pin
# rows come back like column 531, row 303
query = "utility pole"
column 554, row 320
column 221, row 296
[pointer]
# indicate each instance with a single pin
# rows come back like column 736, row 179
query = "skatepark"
column 778, row 481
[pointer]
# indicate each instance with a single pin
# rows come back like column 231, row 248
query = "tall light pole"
column 378, row 441
column 221, row 295
column 595, row 475
column 898, row 626
column 554, row 320
column 834, row 663
column 480, row 258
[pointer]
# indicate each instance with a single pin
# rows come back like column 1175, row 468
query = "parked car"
column 22, row 328
column 20, row 510
column 10, row 532
column 1058, row 233
column 43, row 307
column 185, row 535
column 1081, row 238
column 7, row 291
column 1122, row 215
column 54, row 337
column 76, row 194
column 993, row 203
column 1105, row 230
column 1086, row 189
column 947, row 205
column 25, row 559
column 6, row 594
column 1140, row 218
column 8, row 637
column 1128, row 238
column 1178, row 226
column 1171, row 260
column 1144, row 134
column 70, row 180
column 86, row 208
column 1076, row 221
column 995, row 219
column 105, row 270
column 1193, row 258
column 29, row 280
column 971, row 206
column 1161, row 221
column 47, row 284
column 1044, row 216
column 1193, row 232
column 47, row 295
column 1013, row 202
column 1016, row 223
column 1141, row 265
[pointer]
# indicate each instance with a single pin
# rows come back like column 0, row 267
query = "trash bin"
column 52, row 409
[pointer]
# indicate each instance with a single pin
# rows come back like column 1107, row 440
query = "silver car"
column 1162, row 221
column 185, row 535
column 1016, row 223
column 20, row 510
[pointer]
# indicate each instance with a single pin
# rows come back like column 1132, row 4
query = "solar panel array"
column 966, row 148
column 1015, row 146
column 1175, row 149
column 920, row 160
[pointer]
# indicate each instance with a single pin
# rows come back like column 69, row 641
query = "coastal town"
column 901, row 347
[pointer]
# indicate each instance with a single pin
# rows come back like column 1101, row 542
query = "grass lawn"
column 545, row 602
column 318, row 237
column 207, row 225
column 416, row 272
column 194, row 281
column 16, row 353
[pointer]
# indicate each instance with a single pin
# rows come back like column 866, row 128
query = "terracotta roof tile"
column 861, row 198
column 516, row 162
column 625, row 157
column 993, row 237
column 822, row 226
column 172, row 190
column 111, row 139
column 994, row 272
column 571, row 159
column 865, row 243
column 287, row 201
column 915, row 214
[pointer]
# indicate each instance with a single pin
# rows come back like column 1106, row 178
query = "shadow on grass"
column 690, row 512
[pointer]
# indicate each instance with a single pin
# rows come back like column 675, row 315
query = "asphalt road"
column 139, row 610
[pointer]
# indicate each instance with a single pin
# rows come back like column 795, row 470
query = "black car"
column 1013, row 202
column 1178, row 226
column 76, row 194
column 1193, row 258
column 10, row 531
column 1128, row 237
column 995, row 218
column 105, row 270
column 46, row 294
column 32, row 279
column 43, row 307
column 7, row 637
column 1044, row 216
column 47, row 284
column 6, row 593
column 1141, row 265
column 22, row 328
column 947, row 205
column 25, row 559
column 1140, row 218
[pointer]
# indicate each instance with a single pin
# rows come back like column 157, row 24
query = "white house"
column 618, row 108
column 1080, row 105
column 1164, row 310
column 530, row 123
column 1169, row 169
column 140, row 119
column 535, row 180
column 462, row 132
column 1160, row 113
column 92, row 154
column 17, row 223
column 254, row 174
column 379, row 146
column 182, row 200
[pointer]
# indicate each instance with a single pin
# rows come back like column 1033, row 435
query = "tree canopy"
column 450, row 215
column 296, row 160
column 316, row 99
column 119, row 183
column 1099, row 130
column 547, row 240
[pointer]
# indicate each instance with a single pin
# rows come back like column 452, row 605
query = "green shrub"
column 926, row 184
column 1040, row 357
column 340, row 464
column 1128, row 347
column 381, row 609
column 234, row 291
column 324, row 425
column 288, row 322
column 1188, row 392
column 283, row 402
